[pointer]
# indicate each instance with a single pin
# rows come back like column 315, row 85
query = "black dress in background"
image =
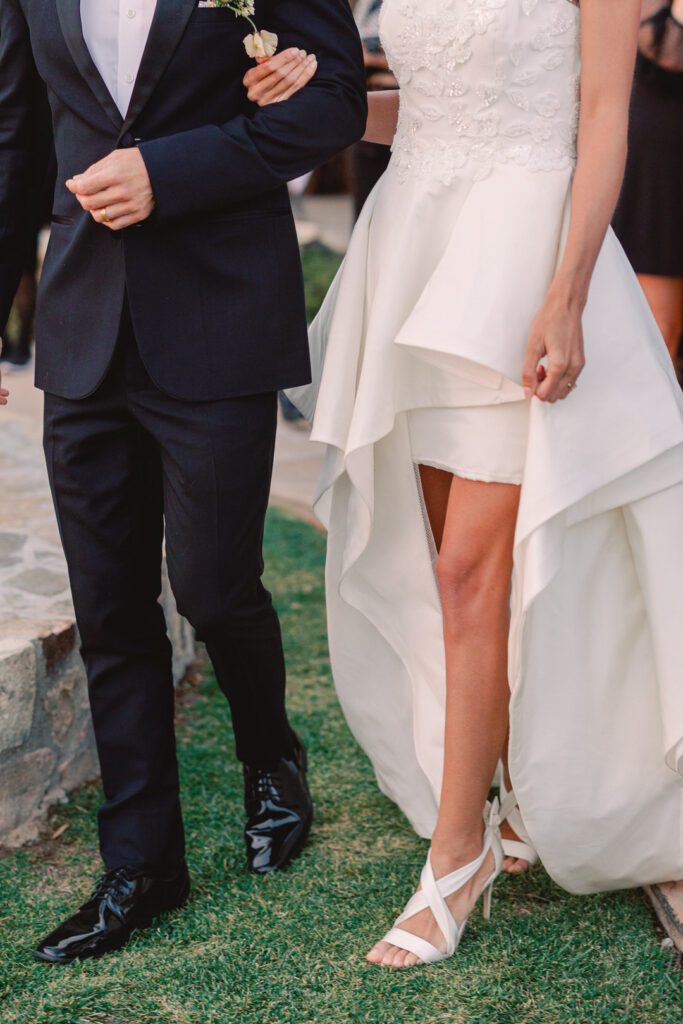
column 649, row 217
column 369, row 161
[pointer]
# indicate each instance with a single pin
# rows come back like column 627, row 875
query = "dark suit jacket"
column 213, row 278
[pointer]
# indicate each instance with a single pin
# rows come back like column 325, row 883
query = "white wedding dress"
column 417, row 357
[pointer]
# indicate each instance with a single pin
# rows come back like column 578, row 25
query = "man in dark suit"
column 170, row 312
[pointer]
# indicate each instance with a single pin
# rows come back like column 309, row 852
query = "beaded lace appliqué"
column 483, row 82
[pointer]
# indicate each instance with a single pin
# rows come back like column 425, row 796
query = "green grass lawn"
column 289, row 950
column 320, row 265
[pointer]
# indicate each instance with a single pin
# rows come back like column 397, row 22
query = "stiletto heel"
column 434, row 893
column 488, row 900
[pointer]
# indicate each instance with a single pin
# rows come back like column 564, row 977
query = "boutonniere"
column 258, row 43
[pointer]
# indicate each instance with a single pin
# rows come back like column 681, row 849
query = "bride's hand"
column 558, row 334
column 277, row 78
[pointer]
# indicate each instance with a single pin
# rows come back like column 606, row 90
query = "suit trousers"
column 122, row 463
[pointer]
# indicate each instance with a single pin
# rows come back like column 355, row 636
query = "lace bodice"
column 483, row 83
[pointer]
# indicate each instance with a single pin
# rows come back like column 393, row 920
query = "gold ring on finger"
column 105, row 216
column 571, row 385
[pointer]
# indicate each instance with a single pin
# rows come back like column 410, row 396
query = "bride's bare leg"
column 474, row 570
column 436, row 487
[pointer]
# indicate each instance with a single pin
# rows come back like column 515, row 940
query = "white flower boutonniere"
column 258, row 43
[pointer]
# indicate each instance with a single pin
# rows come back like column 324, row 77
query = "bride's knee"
column 474, row 587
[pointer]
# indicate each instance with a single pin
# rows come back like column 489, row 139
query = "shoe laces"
column 262, row 783
column 111, row 884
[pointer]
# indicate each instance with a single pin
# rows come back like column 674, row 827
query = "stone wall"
column 47, row 746
column 46, row 742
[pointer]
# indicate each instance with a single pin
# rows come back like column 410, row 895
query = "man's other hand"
column 116, row 191
column 4, row 393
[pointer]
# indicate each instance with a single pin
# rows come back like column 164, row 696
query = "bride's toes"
column 392, row 956
column 378, row 952
column 515, row 865
column 400, row 958
column 387, row 955
column 520, row 867
column 405, row 959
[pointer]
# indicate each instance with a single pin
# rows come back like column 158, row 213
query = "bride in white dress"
column 470, row 456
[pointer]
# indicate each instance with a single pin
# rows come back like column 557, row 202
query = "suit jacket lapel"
column 69, row 12
column 169, row 23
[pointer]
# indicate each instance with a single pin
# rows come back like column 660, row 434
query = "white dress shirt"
column 115, row 32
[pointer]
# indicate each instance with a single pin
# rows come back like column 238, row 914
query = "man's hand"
column 115, row 191
column 4, row 393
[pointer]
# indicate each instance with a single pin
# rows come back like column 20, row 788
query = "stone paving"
column 33, row 577
column 295, row 474
column 47, row 746
column 46, row 742
column 296, row 471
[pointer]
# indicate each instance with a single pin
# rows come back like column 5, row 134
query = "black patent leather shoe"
column 124, row 900
column 279, row 812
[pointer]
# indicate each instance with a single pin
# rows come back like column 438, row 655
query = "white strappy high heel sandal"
column 434, row 893
column 521, row 848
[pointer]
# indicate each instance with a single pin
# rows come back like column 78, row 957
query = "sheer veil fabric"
column 431, row 309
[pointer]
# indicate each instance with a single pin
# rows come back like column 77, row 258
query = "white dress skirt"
column 484, row 442
column 417, row 358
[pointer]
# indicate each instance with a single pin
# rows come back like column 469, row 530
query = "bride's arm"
column 382, row 117
column 281, row 77
column 609, row 33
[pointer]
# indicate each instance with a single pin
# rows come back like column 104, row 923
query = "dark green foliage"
column 320, row 266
